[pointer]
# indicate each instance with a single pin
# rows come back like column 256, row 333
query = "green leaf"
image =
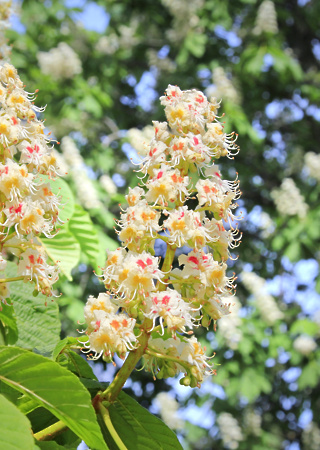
column 83, row 230
column 54, row 388
column 196, row 44
column 16, row 431
column 61, row 188
column 139, row 429
column 304, row 326
column 37, row 319
column 71, row 360
column 8, row 318
column 68, row 343
column 64, row 250
column 309, row 376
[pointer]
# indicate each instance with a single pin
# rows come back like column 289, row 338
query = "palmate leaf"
column 54, row 388
column 64, row 250
column 83, row 230
column 37, row 319
column 138, row 428
column 15, row 428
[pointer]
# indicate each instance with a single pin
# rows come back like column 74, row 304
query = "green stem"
column 12, row 235
column 106, row 418
column 168, row 357
column 7, row 280
column 49, row 433
column 167, row 266
column 113, row 390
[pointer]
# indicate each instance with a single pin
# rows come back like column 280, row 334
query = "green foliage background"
column 105, row 93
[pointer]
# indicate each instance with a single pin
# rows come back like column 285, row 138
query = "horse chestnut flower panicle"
column 29, row 208
column 148, row 301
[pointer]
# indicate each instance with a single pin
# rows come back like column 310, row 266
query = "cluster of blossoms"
column 164, row 64
column 223, row 87
column 288, row 199
column 312, row 163
column 266, row 21
column 183, row 23
column 139, row 139
column 229, row 327
column 168, row 410
column 124, row 39
column 29, row 208
column 86, row 192
column 230, row 431
column 6, row 9
column 266, row 304
column 304, row 344
column 178, row 171
column 252, row 422
column 60, row 62
column 311, row 436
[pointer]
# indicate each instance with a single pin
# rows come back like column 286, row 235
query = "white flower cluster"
column 229, row 326
column 108, row 184
column 6, row 9
column 163, row 64
column 311, row 437
column 185, row 17
column 264, row 301
column 168, row 407
column 202, row 292
column 222, row 87
column 230, row 431
column 139, row 139
column 60, row 62
column 288, row 199
column 125, row 38
column 266, row 21
column 304, row 344
column 252, row 422
column 86, row 192
column 30, row 208
column 312, row 163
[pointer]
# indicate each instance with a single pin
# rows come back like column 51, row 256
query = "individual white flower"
column 304, row 344
column 266, row 20
column 139, row 223
column 102, row 304
column 288, row 199
column 171, row 309
column 60, row 62
column 230, row 431
column 312, row 163
column 166, row 186
column 168, row 409
column 113, row 334
column 33, row 266
column 134, row 195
